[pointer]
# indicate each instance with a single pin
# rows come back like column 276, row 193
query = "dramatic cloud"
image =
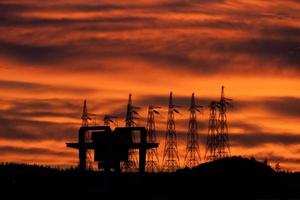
column 275, row 158
column 259, row 139
column 259, row 41
column 31, row 151
column 55, row 54
column 281, row 106
column 30, row 130
column 18, row 86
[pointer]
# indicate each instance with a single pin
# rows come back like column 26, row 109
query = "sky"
column 54, row 54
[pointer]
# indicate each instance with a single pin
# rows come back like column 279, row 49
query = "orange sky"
column 55, row 54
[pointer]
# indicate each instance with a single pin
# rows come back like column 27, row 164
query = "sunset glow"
column 55, row 54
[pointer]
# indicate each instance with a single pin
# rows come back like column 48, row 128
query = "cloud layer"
column 55, row 54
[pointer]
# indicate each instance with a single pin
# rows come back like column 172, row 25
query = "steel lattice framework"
column 217, row 145
column 170, row 157
column 222, row 129
column 86, row 116
column 211, row 142
column 192, row 157
column 152, row 161
column 132, row 164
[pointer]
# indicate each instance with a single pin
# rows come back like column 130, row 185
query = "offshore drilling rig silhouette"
column 133, row 148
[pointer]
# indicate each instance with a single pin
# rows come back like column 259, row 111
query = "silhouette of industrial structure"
column 86, row 117
column 152, row 163
column 111, row 148
column 133, row 148
column 131, row 115
column 223, row 138
column 211, row 141
column 192, row 157
column 217, row 145
column 171, row 160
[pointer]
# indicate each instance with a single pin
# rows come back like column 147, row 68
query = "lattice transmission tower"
column 152, row 161
column 86, row 117
column 131, row 115
column 217, row 145
column 171, row 160
column 192, row 157
column 212, row 141
column 223, row 137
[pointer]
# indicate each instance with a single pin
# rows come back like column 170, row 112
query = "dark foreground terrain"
column 230, row 178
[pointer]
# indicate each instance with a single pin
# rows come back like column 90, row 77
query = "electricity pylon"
column 152, row 161
column 132, row 164
column 86, row 116
column 217, row 145
column 223, row 138
column 211, row 142
column 192, row 157
column 170, row 157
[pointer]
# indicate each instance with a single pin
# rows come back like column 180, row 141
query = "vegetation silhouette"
column 234, row 177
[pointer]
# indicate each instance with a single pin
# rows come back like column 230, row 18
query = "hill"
column 234, row 177
column 233, row 166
